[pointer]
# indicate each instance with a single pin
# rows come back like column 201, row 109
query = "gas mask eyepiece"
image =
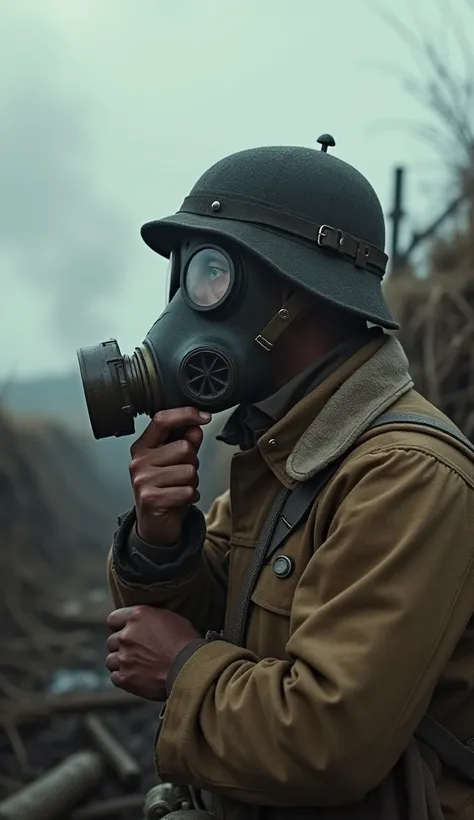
column 208, row 279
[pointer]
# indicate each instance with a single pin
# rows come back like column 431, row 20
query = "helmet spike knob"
column 326, row 141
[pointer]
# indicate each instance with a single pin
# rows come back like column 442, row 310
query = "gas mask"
column 210, row 348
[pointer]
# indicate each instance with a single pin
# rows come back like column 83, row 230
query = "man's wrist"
column 185, row 654
column 148, row 548
column 136, row 562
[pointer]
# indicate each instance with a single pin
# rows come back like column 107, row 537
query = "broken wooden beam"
column 39, row 705
column 124, row 765
column 56, row 791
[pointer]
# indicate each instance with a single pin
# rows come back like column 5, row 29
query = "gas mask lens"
column 208, row 278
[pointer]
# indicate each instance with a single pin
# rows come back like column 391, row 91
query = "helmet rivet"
column 216, row 205
column 283, row 313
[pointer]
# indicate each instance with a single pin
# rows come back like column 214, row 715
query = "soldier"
column 300, row 632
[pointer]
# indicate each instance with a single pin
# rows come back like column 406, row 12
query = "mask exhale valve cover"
column 206, row 375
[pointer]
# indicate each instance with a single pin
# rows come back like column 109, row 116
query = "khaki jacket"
column 373, row 627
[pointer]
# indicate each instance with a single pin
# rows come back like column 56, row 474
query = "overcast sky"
column 111, row 109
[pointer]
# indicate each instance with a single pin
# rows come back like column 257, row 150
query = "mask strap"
column 294, row 307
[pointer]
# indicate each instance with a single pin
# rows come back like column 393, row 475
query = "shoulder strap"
column 297, row 505
column 421, row 420
column 235, row 632
column 289, row 508
column 458, row 756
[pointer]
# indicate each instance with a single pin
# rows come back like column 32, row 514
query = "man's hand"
column 143, row 645
column 164, row 474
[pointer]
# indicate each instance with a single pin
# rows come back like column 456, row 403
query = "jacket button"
column 272, row 442
column 283, row 566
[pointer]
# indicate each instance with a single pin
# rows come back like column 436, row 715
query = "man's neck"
column 312, row 349
column 246, row 424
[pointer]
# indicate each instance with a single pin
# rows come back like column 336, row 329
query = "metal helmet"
column 308, row 215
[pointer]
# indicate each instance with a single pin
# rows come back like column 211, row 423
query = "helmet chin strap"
column 295, row 307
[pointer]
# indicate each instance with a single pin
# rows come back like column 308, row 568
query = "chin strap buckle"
column 263, row 343
column 294, row 307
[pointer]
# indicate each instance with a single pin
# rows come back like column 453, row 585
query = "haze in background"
column 110, row 111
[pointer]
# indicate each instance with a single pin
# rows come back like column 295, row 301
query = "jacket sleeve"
column 190, row 578
column 376, row 616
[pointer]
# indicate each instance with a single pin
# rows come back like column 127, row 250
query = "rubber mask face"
column 202, row 350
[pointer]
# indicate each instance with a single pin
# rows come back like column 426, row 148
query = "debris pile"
column 76, row 755
column 71, row 745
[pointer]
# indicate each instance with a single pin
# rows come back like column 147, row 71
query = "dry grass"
column 437, row 319
column 56, row 521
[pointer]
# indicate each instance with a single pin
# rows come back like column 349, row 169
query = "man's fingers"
column 118, row 680
column 164, row 422
column 195, row 436
column 119, row 618
column 156, row 500
column 176, row 452
column 113, row 644
column 112, row 662
column 179, row 475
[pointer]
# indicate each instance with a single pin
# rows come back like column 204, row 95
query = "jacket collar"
column 327, row 422
column 246, row 424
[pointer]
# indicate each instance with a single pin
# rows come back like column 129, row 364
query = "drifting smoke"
column 55, row 231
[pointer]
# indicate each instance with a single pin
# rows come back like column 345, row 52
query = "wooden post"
column 396, row 217
column 125, row 766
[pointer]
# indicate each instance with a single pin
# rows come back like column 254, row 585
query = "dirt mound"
column 57, row 515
